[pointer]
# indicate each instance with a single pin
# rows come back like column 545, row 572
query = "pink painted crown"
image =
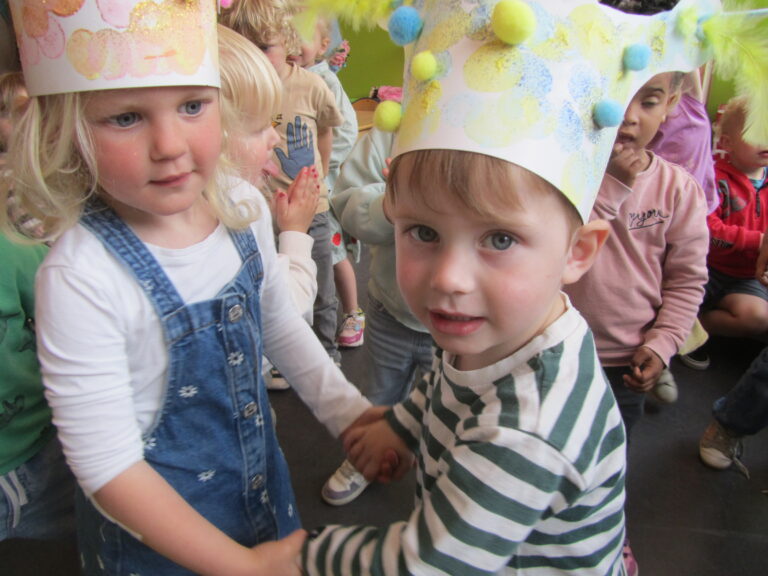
column 82, row 45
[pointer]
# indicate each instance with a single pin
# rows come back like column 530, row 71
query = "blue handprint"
column 301, row 149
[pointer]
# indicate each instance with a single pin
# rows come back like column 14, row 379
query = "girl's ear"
column 585, row 245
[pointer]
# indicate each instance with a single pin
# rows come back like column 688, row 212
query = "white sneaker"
column 665, row 389
column 345, row 485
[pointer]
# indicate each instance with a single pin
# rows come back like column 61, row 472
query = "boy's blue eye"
column 193, row 107
column 500, row 241
column 424, row 234
column 125, row 119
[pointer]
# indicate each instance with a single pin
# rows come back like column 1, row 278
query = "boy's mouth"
column 454, row 323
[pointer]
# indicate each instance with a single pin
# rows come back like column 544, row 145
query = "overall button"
column 250, row 409
column 235, row 313
column 257, row 481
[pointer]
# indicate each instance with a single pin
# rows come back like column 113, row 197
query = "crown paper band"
column 81, row 45
column 540, row 83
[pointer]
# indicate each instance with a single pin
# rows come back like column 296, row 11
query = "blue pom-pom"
column 637, row 57
column 608, row 113
column 404, row 25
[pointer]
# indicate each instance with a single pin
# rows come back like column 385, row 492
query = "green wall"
column 373, row 61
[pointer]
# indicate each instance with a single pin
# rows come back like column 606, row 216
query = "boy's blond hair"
column 436, row 174
column 55, row 172
column 732, row 120
column 263, row 22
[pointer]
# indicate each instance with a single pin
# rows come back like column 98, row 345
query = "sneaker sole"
column 695, row 364
column 342, row 344
column 714, row 458
column 336, row 501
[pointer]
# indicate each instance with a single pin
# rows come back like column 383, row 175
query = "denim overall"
column 213, row 440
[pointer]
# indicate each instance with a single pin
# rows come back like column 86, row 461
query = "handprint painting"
column 74, row 45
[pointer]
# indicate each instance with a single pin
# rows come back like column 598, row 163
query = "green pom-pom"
column 513, row 21
column 388, row 115
column 424, row 66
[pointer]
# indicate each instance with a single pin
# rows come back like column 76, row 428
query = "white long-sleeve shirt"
column 102, row 353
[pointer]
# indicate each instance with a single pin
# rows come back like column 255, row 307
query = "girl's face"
column 252, row 153
column 156, row 149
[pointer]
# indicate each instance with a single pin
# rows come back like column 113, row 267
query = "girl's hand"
column 377, row 452
column 280, row 558
column 646, row 369
column 295, row 208
column 625, row 164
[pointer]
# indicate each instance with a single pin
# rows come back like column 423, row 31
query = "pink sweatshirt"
column 648, row 280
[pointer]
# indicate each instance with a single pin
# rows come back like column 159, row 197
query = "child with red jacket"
column 736, row 304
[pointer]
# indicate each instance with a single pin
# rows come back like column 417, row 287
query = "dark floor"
column 683, row 518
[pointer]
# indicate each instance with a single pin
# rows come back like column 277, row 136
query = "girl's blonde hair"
column 250, row 87
column 263, row 22
column 54, row 171
column 479, row 182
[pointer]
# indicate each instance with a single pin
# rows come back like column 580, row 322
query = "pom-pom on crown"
column 424, row 66
column 513, row 21
column 637, row 57
column 405, row 25
column 608, row 113
column 388, row 115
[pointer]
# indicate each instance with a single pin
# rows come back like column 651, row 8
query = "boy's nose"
column 453, row 272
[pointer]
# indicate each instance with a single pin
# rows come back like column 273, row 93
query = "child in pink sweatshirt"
column 643, row 292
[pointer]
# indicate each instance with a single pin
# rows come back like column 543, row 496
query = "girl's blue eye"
column 424, row 234
column 126, row 119
column 193, row 107
column 501, row 241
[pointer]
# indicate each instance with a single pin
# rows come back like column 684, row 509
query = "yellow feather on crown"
column 739, row 39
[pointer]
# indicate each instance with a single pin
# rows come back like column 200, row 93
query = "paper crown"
column 81, row 45
column 540, row 83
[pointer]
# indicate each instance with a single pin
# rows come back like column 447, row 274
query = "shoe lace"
column 348, row 471
column 733, row 447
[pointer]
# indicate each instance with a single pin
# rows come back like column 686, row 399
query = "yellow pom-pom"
column 513, row 21
column 424, row 66
column 388, row 115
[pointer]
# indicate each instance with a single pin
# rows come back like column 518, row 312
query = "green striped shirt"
column 520, row 471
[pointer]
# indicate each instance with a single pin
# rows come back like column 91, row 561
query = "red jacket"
column 737, row 224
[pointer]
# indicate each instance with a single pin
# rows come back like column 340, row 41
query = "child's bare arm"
column 142, row 501
column 325, row 146
column 646, row 369
column 295, row 208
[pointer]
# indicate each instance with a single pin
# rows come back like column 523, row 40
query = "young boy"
column 658, row 213
column 498, row 159
column 305, row 125
column 736, row 303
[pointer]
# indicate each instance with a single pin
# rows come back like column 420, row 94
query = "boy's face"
column 277, row 54
column 310, row 51
column 252, row 152
column 645, row 113
column 156, row 148
column 746, row 157
column 483, row 285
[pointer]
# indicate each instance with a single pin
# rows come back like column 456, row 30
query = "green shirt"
column 25, row 419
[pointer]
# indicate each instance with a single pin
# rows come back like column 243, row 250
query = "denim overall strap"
column 213, row 440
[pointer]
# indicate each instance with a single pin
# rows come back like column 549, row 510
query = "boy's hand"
column 646, row 368
column 625, row 164
column 280, row 558
column 295, row 208
column 377, row 452
column 761, row 269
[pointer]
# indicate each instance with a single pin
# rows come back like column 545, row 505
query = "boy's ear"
column 324, row 43
column 585, row 245
column 725, row 142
